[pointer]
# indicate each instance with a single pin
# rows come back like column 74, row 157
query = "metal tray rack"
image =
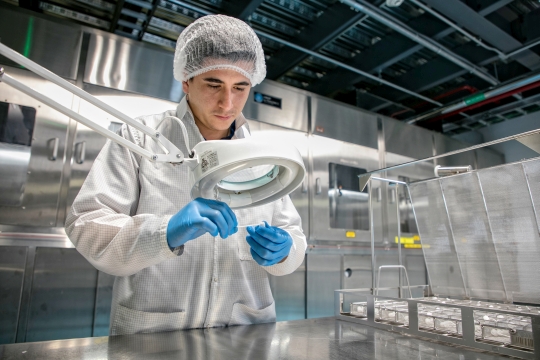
column 480, row 235
column 506, row 329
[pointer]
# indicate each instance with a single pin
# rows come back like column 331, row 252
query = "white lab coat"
column 119, row 220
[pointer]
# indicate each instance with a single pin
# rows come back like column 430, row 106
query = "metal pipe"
column 345, row 66
column 372, row 233
column 400, row 261
column 478, row 97
column 405, row 30
column 526, row 47
column 488, row 101
column 461, row 30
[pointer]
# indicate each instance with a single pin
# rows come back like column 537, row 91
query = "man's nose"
column 226, row 102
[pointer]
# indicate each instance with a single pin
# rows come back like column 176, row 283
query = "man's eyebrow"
column 217, row 81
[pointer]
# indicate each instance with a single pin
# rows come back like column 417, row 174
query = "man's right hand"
column 198, row 217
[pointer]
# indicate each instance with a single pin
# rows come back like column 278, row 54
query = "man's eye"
column 214, row 86
column 241, row 89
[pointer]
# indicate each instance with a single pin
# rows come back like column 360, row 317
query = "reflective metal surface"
column 313, row 339
column 444, row 144
column 14, row 160
column 293, row 113
column 123, row 64
column 324, row 152
column 13, row 260
column 323, row 277
column 63, row 294
column 40, row 199
column 410, row 141
column 343, row 122
column 53, row 45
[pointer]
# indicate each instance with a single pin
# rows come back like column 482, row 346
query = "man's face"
column 216, row 98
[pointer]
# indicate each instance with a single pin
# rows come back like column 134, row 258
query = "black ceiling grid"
column 335, row 30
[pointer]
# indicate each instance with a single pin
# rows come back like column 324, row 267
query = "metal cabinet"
column 13, row 259
column 37, row 166
column 343, row 122
column 119, row 63
column 278, row 104
column 339, row 210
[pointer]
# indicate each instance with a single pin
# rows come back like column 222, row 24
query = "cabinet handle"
column 53, row 147
column 392, row 196
column 80, row 152
column 318, row 189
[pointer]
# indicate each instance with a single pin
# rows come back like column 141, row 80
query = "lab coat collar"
column 242, row 128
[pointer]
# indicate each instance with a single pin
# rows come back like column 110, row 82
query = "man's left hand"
column 269, row 244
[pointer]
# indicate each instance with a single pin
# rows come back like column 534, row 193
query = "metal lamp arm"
column 171, row 153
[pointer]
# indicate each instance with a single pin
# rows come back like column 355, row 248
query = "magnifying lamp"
column 242, row 173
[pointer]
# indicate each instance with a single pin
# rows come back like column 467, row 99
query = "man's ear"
column 185, row 87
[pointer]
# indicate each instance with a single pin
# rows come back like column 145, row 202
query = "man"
column 135, row 219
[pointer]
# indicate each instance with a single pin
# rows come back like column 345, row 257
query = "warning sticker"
column 209, row 159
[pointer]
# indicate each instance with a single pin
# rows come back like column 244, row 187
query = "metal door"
column 36, row 166
column 340, row 211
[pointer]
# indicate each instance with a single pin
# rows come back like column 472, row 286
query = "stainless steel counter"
column 325, row 338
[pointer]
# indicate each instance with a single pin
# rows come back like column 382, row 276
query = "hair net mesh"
column 219, row 42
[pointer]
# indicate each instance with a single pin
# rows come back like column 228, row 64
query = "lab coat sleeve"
column 102, row 223
column 287, row 218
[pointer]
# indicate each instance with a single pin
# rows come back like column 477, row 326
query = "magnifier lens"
column 250, row 178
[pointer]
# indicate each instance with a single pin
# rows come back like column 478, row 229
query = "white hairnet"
column 219, row 42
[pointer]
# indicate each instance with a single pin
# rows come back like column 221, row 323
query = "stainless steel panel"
column 12, row 263
column 323, row 277
column 294, row 110
column 416, row 269
column 14, row 161
column 407, row 140
column 92, row 142
column 488, row 158
column 123, row 64
column 299, row 197
column 399, row 196
column 356, row 271
column 40, row 199
column 343, row 122
column 290, row 294
column 444, row 144
column 53, row 45
column 323, row 152
column 315, row 339
column 102, row 309
column 34, row 236
column 63, row 294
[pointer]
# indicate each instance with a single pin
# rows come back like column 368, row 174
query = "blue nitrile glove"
column 269, row 244
column 199, row 217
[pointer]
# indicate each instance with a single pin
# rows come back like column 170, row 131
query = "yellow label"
column 408, row 240
column 350, row 234
column 412, row 246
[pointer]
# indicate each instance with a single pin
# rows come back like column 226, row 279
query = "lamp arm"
column 171, row 153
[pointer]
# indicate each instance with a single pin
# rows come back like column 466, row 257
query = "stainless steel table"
column 325, row 338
